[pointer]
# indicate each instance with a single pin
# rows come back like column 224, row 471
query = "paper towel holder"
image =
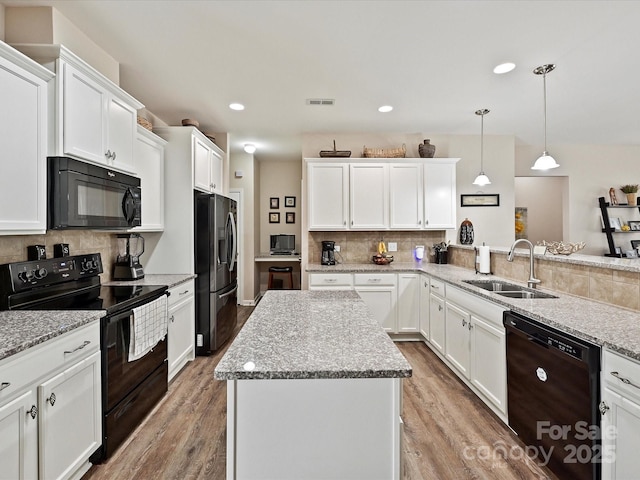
column 477, row 261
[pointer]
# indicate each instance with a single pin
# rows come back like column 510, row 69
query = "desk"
column 267, row 257
column 265, row 260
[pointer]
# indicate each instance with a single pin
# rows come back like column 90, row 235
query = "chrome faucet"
column 533, row 281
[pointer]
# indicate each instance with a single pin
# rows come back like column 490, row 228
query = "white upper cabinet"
column 440, row 194
column 328, row 187
column 406, row 196
column 23, row 123
column 365, row 194
column 369, row 196
column 207, row 165
column 149, row 164
column 95, row 120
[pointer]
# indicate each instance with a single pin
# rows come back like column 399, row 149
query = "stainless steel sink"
column 494, row 285
column 526, row 294
column 508, row 289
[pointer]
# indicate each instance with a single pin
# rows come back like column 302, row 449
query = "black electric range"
column 131, row 386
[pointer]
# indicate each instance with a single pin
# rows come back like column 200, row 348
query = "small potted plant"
column 631, row 192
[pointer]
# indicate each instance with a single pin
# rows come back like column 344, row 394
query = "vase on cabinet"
column 631, row 198
column 426, row 150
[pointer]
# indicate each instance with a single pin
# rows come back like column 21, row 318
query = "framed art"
column 635, row 244
column 289, row 201
column 480, row 200
column 290, row 217
column 274, row 217
column 274, row 202
column 615, row 223
column 634, row 226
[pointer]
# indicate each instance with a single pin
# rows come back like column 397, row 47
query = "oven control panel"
column 21, row 276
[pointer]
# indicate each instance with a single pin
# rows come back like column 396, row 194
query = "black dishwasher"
column 553, row 394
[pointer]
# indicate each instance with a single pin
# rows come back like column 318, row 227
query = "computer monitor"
column 282, row 243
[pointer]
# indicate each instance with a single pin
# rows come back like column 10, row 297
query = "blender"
column 127, row 266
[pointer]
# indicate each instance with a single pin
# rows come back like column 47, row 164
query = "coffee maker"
column 328, row 256
column 127, row 266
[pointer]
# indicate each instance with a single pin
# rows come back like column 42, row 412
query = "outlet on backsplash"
column 336, row 248
column 392, row 246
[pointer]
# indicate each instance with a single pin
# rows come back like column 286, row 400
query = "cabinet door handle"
column 374, row 280
column 603, row 407
column 51, row 399
column 108, row 154
column 464, row 322
column 470, row 326
column 172, row 318
column 79, row 347
column 439, row 308
column 330, row 280
column 4, row 385
column 419, row 222
column 33, row 412
column 435, row 286
column 113, row 156
column 624, row 380
column 344, row 223
column 183, row 293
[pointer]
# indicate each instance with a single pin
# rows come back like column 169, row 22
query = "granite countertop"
column 603, row 324
column 20, row 330
column 171, row 280
column 294, row 334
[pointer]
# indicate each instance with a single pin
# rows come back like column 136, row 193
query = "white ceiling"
column 431, row 60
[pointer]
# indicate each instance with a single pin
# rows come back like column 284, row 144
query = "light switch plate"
column 392, row 247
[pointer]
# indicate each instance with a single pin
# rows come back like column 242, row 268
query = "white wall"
column 2, row 17
column 543, row 198
column 592, row 170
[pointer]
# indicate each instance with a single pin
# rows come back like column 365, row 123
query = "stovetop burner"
column 70, row 283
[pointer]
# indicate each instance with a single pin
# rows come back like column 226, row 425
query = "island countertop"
column 294, row 334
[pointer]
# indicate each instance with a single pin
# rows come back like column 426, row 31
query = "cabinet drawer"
column 330, row 279
column 27, row 367
column 616, row 368
column 437, row 286
column 370, row 279
column 181, row 292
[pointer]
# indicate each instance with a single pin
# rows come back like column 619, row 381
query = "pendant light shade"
column 482, row 179
column 545, row 161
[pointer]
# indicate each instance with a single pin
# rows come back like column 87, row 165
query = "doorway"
column 542, row 203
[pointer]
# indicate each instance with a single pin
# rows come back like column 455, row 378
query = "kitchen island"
column 314, row 390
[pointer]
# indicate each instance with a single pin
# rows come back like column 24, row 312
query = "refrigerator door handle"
column 228, row 293
column 232, row 257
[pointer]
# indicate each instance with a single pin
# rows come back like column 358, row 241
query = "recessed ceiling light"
column 236, row 106
column 385, row 108
column 504, row 68
column 249, row 148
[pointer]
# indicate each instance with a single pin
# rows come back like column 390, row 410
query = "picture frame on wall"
column 289, row 202
column 475, row 200
column 274, row 202
column 634, row 226
column 274, row 217
column 290, row 217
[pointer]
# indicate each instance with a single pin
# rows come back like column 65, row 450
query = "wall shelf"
column 604, row 209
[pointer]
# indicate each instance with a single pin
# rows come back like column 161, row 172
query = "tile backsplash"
column 358, row 247
column 14, row 248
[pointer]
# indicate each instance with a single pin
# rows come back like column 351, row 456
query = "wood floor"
column 448, row 432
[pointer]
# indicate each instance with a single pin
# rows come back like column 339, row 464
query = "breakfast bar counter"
column 314, row 390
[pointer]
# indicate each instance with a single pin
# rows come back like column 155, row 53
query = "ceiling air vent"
column 320, row 101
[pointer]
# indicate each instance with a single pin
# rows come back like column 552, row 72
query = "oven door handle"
column 229, row 292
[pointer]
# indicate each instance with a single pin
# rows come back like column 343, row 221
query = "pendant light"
column 545, row 161
column 482, row 179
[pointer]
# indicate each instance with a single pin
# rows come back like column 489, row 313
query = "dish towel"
column 148, row 325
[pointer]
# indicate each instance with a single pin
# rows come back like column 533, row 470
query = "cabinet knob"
column 113, row 156
column 603, row 407
column 172, row 318
column 464, row 322
column 108, row 154
column 419, row 222
column 33, row 412
column 439, row 308
column 344, row 223
column 52, row 399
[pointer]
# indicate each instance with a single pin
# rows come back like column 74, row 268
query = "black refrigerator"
column 216, row 269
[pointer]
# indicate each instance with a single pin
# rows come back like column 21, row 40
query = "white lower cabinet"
column 70, row 413
column 51, row 407
column 467, row 332
column 408, row 311
column 181, row 327
column 424, row 306
column 19, row 437
column 620, row 421
column 379, row 292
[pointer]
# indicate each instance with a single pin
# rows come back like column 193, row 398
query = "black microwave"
column 85, row 196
